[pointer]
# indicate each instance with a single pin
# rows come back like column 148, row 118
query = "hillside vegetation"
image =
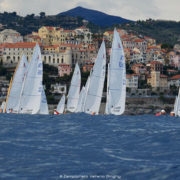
column 25, row 25
column 163, row 31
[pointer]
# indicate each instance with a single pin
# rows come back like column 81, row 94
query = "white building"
column 174, row 81
column 132, row 81
column 11, row 53
column 10, row 36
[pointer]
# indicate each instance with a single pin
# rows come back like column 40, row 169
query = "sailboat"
column 85, row 92
column 44, row 105
column 81, row 100
column 177, row 105
column 116, row 80
column 60, row 106
column 96, row 84
column 30, row 102
column 73, row 94
column 16, row 85
column 2, row 108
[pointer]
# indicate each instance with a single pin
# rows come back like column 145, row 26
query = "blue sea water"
column 80, row 146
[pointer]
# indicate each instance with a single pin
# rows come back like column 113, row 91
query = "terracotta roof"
column 82, row 27
column 138, row 40
column 88, row 65
column 154, row 47
column 155, row 62
column 130, row 75
column 124, row 36
column 71, row 45
column 110, row 32
column 172, row 70
column 67, row 30
column 163, row 76
column 49, row 28
column 138, row 65
column 64, row 64
column 20, row 45
column 175, row 77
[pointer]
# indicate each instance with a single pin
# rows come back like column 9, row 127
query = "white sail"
column 85, row 93
column 31, row 95
column 16, row 86
column 44, row 105
column 177, row 105
column 117, row 78
column 2, row 109
column 61, row 105
column 81, row 100
column 94, row 95
column 73, row 94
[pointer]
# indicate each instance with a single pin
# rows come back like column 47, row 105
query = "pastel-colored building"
column 139, row 69
column 64, row 69
column 174, row 81
column 87, row 67
column 132, row 81
column 157, row 80
column 155, row 66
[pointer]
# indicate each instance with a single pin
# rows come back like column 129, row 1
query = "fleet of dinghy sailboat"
column 96, row 83
column 30, row 102
column 26, row 93
column 73, row 94
column 116, row 83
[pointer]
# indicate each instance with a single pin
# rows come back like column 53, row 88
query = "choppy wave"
column 131, row 147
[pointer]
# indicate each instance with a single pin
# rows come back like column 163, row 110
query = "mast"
column 107, row 93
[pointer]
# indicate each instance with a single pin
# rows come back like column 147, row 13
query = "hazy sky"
column 130, row 9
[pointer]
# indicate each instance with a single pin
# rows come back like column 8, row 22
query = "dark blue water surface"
column 80, row 146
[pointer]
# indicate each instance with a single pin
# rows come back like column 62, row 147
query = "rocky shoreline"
column 141, row 105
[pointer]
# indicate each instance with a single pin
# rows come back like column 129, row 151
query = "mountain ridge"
column 94, row 16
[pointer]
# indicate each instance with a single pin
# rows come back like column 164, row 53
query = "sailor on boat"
column 172, row 113
column 163, row 112
column 56, row 112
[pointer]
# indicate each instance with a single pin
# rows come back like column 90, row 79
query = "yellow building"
column 47, row 34
column 157, row 80
column 55, row 35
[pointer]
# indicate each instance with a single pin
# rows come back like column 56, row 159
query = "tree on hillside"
column 42, row 14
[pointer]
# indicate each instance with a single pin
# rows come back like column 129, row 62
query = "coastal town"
column 151, row 69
